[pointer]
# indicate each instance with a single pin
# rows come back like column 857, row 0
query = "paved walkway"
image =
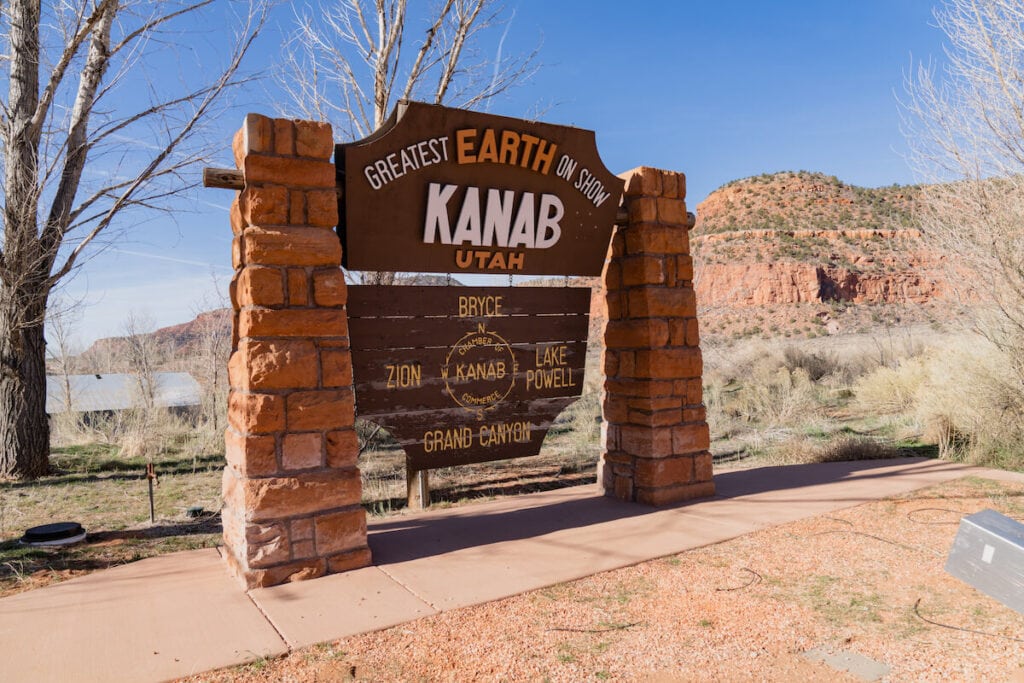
column 181, row 614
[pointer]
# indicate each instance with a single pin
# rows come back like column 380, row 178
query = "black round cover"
column 52, row 532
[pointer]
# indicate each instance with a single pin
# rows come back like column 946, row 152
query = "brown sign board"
column 454, row 191
column 461, row 375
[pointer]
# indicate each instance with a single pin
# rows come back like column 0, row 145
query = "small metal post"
column 151, row 477
column 417, row 488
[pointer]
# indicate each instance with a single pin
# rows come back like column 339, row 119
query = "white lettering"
column 436, row 221
column 468, row 227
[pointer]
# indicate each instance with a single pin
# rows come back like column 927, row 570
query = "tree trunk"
column 24, row 428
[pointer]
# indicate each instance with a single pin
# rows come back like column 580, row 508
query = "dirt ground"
column 864, row 585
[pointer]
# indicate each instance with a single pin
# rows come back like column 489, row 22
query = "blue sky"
column 718, row 90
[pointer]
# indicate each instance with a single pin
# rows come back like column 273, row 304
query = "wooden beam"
column 224, row 178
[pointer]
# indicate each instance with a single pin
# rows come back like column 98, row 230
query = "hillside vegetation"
column 799, row 200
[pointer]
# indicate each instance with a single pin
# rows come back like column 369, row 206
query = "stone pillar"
column 292, row 490
column 656, row 432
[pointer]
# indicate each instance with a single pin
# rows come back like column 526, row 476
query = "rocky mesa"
column 790, row 238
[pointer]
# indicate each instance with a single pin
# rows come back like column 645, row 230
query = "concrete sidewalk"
column 181, row 614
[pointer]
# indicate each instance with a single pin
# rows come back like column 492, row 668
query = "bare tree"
column 966, row 127
column 88, row 134
column 142, row 355
column 348, row 63
column 60, row 355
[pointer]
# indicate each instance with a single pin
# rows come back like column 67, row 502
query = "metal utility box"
column 988, row 553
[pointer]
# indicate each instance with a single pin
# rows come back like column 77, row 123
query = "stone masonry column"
column 291, row 485
column 656, row 432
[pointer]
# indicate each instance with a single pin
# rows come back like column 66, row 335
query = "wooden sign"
column 453, row 191
column 466, row 374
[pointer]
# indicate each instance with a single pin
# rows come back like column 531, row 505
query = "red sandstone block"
column 639, row 387
column 694, row 392
column 610, row 435
column 670, row 185
column 233, row 290
column 258, row 136
column 615, row 409
column 251, row 456
column 234, row 329
column 355, row 559
column 260, row 286
column 336, row 367
column 284, row 137
column 237, row 252
column 610, row 362
column 298, row 287
column 238, row 146
column 696, row 414
column 303, row 550
column 670, row 271
column 291, row 246
column 661, row 472
column 276, row 498
column 265, row 205
column 266, row 545
column 293, row 172
column 298, row 570
column 329, row 287
column 642, row 270
column 643, row 181
column 302, row 322
column 655, row 238
column 302, row 451
column 314, row 139
column 692, row 332
column 669, row 363
column 341, row 531
column 627, row 364
column 646, row 442
column 690, row 438
column 657, row 418
column 614, row 302
column 684, row 267
column 677, row 332
column 613, row 274
column 636, row 333
column 297, row 207
column 342, row 448
column 661, row 403
column 643, row 209
column 702, row 467
column 622, row 488
column 672, row 211
column 675, row 494
column 320, row 410
column 662, row 302
column 238, row 223
column 255, row 413
column 322, row 208
column 302, row 529
column 620, row 461
column 271, row 365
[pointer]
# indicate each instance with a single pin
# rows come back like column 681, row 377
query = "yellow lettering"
column 404, row 376
column 509, row 148
column 545, row 156
column 447, row 439
column 480, row 306
column 488, row 148
column 464, row 146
